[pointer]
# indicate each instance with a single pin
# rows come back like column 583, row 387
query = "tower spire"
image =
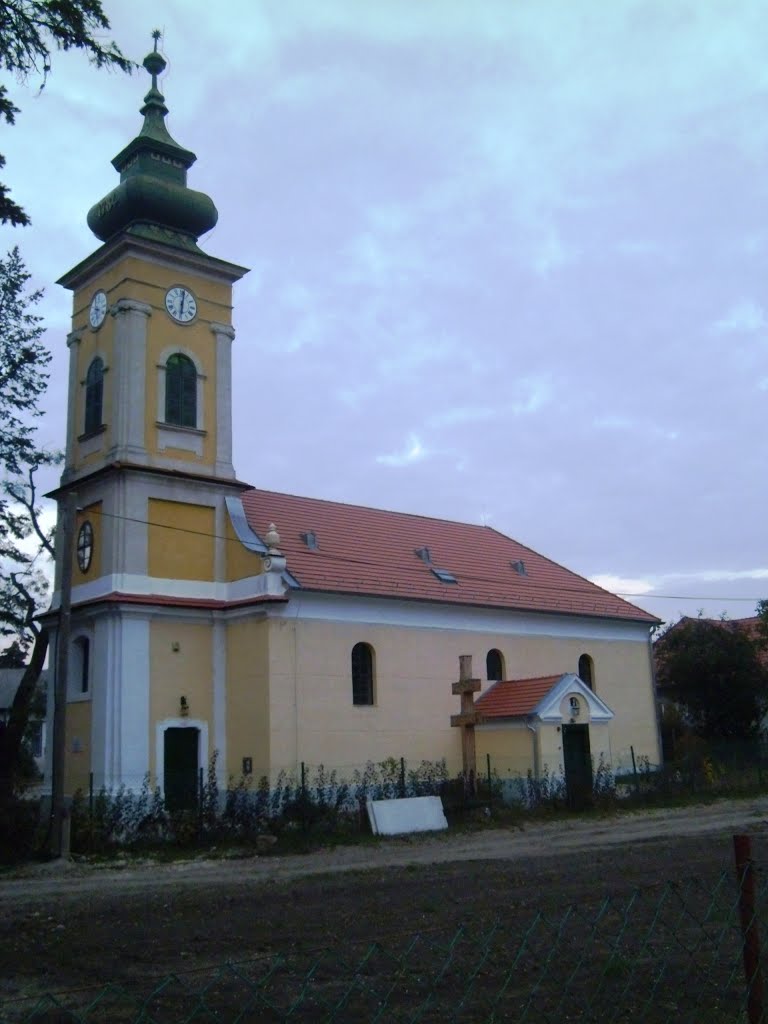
column 152, row 199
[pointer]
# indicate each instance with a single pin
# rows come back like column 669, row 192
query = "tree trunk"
column 12, row 735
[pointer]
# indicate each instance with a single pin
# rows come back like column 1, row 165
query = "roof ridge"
column 378, row 508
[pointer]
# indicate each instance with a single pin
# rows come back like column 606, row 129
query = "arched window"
column 362, row 674
column 180, row 391
column 494, row 665
column 94, row 396
column 587, row 670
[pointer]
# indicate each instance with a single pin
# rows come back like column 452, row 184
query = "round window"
column 85, row 547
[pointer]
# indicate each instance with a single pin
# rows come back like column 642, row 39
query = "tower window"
column 587, row 671
column 81, row 666
column 494, row 665
column 180, row 391
column 94, row 396
column 362, row 674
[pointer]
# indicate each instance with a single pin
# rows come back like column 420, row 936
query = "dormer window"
column 180, row 391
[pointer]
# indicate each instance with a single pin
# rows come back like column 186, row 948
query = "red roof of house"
column 514, row 697
column 371, row 551
column 749, row 626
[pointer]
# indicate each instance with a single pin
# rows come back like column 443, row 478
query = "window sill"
column 92, row 441
column 188, row 439
column 92, row 433
column 184, row 430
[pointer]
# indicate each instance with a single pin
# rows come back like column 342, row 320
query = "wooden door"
column 180, row 773
column 577, row 761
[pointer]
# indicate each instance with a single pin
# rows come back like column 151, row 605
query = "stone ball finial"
column 272, row 538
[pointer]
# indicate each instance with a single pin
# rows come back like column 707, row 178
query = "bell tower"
column 150, row 366
column 149, row 457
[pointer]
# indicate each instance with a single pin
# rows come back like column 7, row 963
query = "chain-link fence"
column 672, row 952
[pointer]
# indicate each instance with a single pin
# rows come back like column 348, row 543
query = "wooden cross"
column 467, row 720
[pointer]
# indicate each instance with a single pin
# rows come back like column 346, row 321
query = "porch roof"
column 513, row 697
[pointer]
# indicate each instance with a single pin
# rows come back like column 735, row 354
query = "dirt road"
column 78, row 926
column 535, row 840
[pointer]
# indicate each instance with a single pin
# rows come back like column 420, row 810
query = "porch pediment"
column 549, row 708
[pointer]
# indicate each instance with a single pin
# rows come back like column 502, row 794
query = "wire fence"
column 667, row 953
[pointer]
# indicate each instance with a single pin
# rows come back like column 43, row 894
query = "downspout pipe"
column 529, row 723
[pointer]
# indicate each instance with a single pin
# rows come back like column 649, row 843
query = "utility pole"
column 65, row 539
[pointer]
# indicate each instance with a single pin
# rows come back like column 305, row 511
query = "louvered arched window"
column 94, row 396
column 180, row 391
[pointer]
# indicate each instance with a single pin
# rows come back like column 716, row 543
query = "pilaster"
column 129, row 383
column 224, row 336
column 73, row 344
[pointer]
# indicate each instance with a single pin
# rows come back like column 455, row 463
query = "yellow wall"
column 185, row 672
column 309, row 670
column 248, row 698
column 181, row 540
column 93, row 343
column 77, row 766
column 197, row 338
column 510, row 748
column 240, row 562
column 146, row 282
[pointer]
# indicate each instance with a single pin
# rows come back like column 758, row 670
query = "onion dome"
column 152, row 199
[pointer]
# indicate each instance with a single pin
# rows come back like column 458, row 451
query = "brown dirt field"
column 76, row 926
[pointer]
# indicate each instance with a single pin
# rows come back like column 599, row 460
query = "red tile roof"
column 514, row 697
column 370, row 551
column 749, row 626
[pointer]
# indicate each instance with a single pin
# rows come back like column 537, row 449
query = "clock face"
column 85, row 547
column 181, row 304
column 98, row 309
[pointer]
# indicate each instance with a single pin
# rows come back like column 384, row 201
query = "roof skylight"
column 444, row 576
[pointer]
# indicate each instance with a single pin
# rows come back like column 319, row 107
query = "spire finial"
column 155, row 64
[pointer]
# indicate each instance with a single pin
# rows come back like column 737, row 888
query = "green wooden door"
column 577, row 761
column 181, row 768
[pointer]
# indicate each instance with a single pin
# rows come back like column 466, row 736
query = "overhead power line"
column 415, row 569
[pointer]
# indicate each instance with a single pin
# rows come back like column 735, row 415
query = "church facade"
column 210, row 617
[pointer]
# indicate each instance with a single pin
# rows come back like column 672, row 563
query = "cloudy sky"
column 508, row 260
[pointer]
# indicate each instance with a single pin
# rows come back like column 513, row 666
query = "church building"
column 212, row 617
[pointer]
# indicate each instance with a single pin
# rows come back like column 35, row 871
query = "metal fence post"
column 303, row 798
column 634, row 771
column 745, row 874
column 200, row 802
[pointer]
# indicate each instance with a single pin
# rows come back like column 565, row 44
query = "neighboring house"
column 198, row 626
column 672, row 711
column 36, row 727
